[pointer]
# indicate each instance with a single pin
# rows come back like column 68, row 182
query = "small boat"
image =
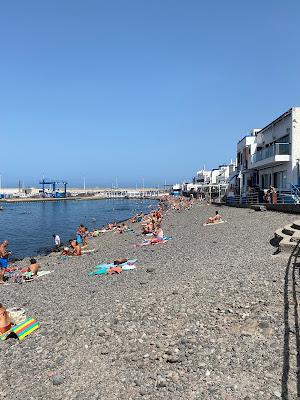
column 1, row 208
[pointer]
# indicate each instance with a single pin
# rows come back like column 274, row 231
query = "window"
column 280, row 180
column 283, row 139
column 265, row 181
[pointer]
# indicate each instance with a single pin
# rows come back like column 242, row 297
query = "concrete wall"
column 288, row 208
column 295, row 140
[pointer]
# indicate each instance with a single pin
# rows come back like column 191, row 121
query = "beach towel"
column 128, row 267
column 114, row 270
column 214, row 223
column 39, row 274
column 101, row 271
column 128, row 262
column 103, row 268
column 88, row 251
column 22, row 330
column 149, row 243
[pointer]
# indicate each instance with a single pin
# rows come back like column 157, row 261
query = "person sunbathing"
column 103, row 229
column 76, row 248
column 33, row 267
column 158, row 235
column 215, row 219
column 148, row 228
column 139, row 217
column 85, row 236
column 119, row 229
column 119, row 261
column 66, row 252
column 145, row 230
column 5, row 320
column 111, row 227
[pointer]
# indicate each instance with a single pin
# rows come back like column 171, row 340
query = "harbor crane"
column 55, row 186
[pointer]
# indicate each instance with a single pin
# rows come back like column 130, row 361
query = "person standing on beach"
column 4, row 254
column 56, row 240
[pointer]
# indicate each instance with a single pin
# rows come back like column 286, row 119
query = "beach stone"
column 161, row 382
column 143, row 391
column 264, row 325
column 150, row 269
column 138, row 382
column 216, row 311
column 57, row 380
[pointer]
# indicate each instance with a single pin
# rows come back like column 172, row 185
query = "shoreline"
column 40, row 250
column 51, row 251
column 201, row 316
column 50, row 199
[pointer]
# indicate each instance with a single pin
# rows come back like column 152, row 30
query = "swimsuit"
column 78, row 239
column 5, row 328
column 3, row 263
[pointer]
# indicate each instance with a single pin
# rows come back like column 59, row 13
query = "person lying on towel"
column 158, row 235
column 73, row 250
column 76, row 248
column 213, row 220
column 5, row 321
column 33, row 267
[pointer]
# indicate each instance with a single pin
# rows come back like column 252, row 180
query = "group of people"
column 151, row 225
column 270, row 195
column 16, row 275
column 180, row 203
column 75, row 245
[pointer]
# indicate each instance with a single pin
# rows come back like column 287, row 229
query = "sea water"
column 29, row 226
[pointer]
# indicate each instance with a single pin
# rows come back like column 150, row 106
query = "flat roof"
column 281, row 117
column 245, row 138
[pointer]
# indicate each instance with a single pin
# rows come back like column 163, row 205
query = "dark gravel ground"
column 209, row 315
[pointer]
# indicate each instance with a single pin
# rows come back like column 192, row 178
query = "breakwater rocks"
column 209, row 315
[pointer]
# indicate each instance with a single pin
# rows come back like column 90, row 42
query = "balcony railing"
column 271, row 151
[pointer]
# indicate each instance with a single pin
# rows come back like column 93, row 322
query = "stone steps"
column 288, row 237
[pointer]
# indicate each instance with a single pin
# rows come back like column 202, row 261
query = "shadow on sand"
column 291, row 321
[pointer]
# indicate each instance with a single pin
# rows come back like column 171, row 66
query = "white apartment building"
column 245, row 176
column 216, row 176
column 270, row 156
column 222, row 174
column 202, row 177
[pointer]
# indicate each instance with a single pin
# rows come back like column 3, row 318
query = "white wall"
column 295, row 140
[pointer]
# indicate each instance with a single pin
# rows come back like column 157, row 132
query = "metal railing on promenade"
column 248, row 199
column 279, row 197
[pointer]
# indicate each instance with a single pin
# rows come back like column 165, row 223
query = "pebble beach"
column 212, row 314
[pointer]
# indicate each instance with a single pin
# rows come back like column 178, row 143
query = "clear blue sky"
column 137, row 88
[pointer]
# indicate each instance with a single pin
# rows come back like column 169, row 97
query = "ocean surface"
column 29, row 226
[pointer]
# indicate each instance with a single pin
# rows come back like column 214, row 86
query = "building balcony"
column 275, row 154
